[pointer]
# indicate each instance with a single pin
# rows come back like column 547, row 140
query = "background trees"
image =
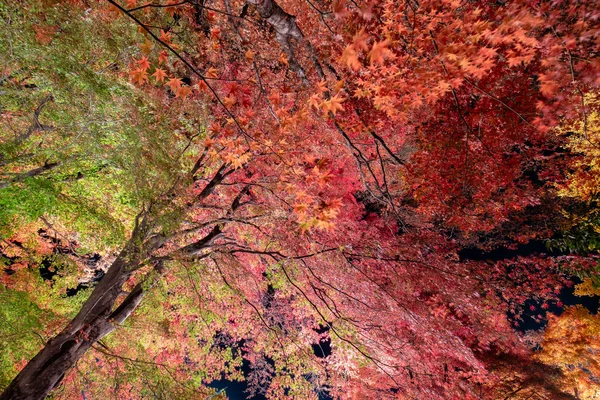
column 273, row 175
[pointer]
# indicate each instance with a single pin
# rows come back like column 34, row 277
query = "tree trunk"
column 96, row 319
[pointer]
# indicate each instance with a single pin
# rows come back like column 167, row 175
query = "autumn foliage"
column 260, row 178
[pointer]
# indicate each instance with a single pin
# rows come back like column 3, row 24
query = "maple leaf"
column 239, row 161
column 163, row 57
column 315, row 101
column 322, row 86
column 212, row 73
column 283, row 59
column 339, row 8
column 275, row 98
column 143, row 63
column 323, row 224
column 171, row 10
column 159, row 75
column 183, row 91
column 366, row 11
column 139, row 76
column 333, row 105
column 146, row 47
column 350, row 58
column 165, row 36
column 547, row 86
column 360, row 40
column 208, row 142
column 380, row 52
column 174, row 84
column 229, row 101
column 131, row 3
column 322, row 177
column 249, row 55
column 301, row 209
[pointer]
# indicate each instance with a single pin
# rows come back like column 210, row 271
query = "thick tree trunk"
column 96, row 319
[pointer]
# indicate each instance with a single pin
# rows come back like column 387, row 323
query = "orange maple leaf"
column 212, row 73
column 359, row 41
column 283, row 59
column 275, row 98
column 183, row 91
column 322, row 86
column 143, row 63
column 301, row 209
column 315, row 101
column 163, row 57
column 229, row 101
column 350, row 57
column 165, row 36
column 159, row 75
column 139, row 76
column 547, row 86
column 334, row 104
column 174, row 84
column 380, row 52
column 238, row 162
column 171, row 10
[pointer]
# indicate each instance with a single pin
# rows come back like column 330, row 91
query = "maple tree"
column 570, row 343
column 286, row 173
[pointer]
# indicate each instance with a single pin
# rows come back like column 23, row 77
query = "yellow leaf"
column 146, row 47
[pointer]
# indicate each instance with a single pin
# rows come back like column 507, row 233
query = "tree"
column 570, row 343
column 352, row 151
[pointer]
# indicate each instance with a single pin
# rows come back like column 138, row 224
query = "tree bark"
column 96, row 319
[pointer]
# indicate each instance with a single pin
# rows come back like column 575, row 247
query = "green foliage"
column 100, row 127
column 21, row 320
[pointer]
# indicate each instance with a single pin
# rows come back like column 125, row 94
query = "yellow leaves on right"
column 584, row 139
column 572, row 344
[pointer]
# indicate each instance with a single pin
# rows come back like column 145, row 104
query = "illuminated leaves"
column 571, row 343
column 350, row 58
column 163, row 57
column 351, row 52
column 143, row 63
column 333, row 105
column 139, row 76
column 183, row 91
column 159, row 75
column 436, row 147
column 380, row 52
column 548, row 87
column 174, row 84
column 165, row 36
